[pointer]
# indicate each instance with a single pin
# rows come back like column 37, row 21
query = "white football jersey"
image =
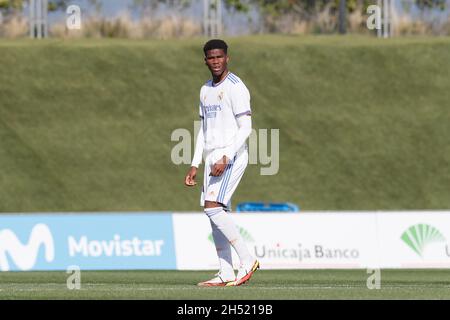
column 220, row 105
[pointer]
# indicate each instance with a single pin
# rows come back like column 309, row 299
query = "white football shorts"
column 220, row 189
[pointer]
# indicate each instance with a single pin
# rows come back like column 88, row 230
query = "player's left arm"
column 240, row 102
column 245, row 129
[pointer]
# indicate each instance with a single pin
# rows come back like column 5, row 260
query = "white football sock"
column 223, row 249
column 226, row 226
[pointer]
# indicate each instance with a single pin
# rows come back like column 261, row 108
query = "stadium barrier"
column 307, row 240
column 90, row 241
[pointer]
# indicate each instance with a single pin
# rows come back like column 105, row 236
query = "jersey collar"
column 219, row 83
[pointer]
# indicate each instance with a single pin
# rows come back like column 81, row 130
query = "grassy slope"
column 265, row 284
column 86, row 125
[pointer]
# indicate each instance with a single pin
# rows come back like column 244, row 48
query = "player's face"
column 217, row 61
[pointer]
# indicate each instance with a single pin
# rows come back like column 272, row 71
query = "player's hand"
column 219, row 167
column 190, row 177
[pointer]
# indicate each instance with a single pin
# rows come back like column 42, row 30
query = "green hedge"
column 86, row 125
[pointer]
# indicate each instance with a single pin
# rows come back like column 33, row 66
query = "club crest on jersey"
column 220, row 96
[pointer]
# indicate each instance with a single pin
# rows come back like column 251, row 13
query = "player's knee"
column 211, row 211
column 212, row 204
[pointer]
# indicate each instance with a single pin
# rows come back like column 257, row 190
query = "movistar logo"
column 417, row 237
column 24, row 256
column 244, row 233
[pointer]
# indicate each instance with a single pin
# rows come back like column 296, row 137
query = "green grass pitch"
column 265, row 284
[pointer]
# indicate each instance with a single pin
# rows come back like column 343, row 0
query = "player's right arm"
column 196, row 160
column 189, row 180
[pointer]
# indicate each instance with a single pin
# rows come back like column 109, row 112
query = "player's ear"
column 228, row 59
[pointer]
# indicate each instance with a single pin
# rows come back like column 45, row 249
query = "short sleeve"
column 240, row 100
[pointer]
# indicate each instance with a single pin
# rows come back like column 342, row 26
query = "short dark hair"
column 215, row 44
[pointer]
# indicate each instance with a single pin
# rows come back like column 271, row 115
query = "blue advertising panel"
column 115, row 241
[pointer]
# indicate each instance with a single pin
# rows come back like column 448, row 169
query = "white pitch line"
column 93, row 288
column 147, row 289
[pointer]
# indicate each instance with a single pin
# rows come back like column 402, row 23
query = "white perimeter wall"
column 308, row 240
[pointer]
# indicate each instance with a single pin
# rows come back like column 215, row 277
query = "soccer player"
column 226, row 124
